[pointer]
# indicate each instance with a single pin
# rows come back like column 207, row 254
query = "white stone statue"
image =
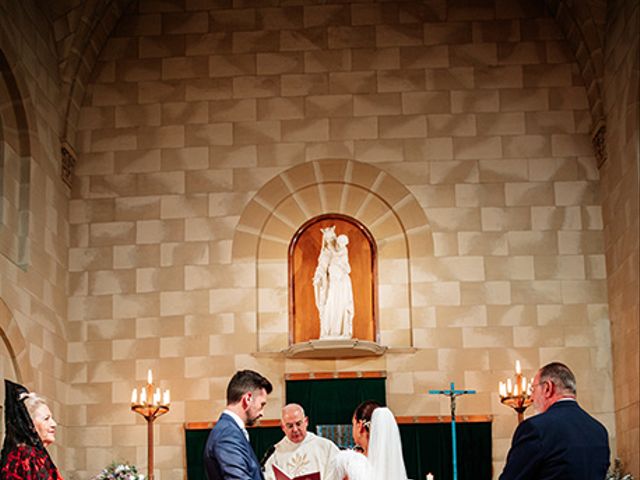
column 332, row 286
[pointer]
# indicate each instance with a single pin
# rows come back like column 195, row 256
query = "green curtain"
column 426, row 449
column 261, row 439
column 196, row 440
column 333, row 401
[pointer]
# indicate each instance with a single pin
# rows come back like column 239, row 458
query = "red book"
column 280, row 475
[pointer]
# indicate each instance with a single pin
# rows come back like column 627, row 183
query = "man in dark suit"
column 228, row 454
column 563, row 441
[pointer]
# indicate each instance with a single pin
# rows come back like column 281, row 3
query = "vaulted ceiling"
column 80, row 28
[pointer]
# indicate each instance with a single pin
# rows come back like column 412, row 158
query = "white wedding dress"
column 384, row 460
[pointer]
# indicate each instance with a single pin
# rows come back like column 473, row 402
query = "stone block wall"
column 197, row 110
column 620, row 210
column 33, row 262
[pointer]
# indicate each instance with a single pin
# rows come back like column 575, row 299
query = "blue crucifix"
column 452, row 393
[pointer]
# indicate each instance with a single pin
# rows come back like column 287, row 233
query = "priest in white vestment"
column 300, row 452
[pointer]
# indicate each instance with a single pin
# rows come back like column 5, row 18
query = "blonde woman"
column 29, row 429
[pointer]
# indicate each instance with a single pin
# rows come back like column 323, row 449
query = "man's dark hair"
column 561, row 376
column 245, row 381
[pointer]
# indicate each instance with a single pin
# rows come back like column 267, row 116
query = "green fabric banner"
column 426, row 447
column 261, row 439
column 333, row 401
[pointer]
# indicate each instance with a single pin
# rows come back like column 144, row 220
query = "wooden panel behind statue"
column 332, row 281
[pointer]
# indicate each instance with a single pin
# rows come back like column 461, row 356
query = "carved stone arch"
column 583, row 31
column 361, row 191
column 15, row 166
column 14, row 359
column 95, row 25
column 14, row 343
column 12, row 111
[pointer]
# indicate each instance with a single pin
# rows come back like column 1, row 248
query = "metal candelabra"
column 516, row 393
column 151, row 404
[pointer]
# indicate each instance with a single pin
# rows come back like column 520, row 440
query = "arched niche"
column 372, row 197
column 304, row 250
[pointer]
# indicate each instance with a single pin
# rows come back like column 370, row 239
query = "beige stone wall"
column 620, row 211
column 476, row 115
column 33, row 262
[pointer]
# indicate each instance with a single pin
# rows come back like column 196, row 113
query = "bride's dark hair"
column 364, row 411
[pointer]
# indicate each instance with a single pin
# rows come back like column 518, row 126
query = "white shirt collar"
column 235, row 417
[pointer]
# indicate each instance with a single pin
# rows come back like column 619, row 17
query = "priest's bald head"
column 294, row 422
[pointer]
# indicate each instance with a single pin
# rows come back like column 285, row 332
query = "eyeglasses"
column 534, row 385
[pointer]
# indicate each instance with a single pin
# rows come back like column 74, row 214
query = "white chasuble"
column 313, row 454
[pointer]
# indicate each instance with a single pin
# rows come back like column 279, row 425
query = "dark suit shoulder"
column 226, row 425
column 563, row 442
column 568, row 411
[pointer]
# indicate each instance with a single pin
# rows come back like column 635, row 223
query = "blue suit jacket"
column 564, row 442
column 228, row 455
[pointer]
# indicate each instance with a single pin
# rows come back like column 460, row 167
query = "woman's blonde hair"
column 32, row 401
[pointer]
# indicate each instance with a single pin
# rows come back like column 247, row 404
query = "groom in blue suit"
column 228, row 454
column 563, row 441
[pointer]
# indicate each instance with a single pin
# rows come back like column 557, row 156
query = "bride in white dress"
column 376, row 431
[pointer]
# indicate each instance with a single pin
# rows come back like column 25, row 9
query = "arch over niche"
column 364, row 192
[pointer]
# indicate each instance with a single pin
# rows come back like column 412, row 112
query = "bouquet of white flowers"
column 120, row 471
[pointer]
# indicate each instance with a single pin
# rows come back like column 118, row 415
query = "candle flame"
column 518, row 369
column 149, row 377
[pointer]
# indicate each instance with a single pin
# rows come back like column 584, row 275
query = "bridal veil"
column 385, row 447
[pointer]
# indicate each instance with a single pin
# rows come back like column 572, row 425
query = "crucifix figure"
column 452, row 393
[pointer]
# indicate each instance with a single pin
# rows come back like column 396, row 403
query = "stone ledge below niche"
column 334, row 348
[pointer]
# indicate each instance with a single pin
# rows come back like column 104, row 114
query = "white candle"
column 503, row 389
column 524, row 384
column 509, row 386
column 134, row 396
column 429, row 476
column 143, row 395
column 149, row 377
column 166, row 400
column 518, row 369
